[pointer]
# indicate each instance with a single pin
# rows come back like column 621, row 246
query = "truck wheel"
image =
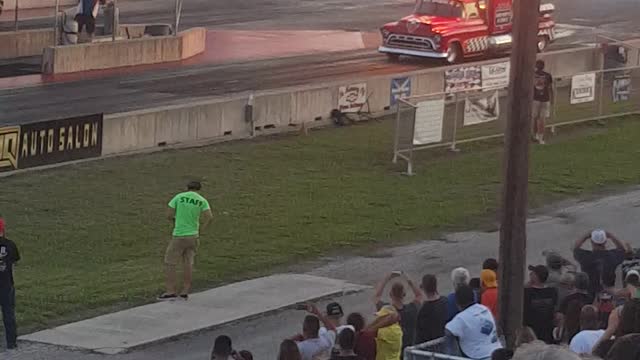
column 454, row 54
column 393, row 57
column 543, row 42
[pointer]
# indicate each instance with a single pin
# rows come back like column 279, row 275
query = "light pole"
column 513, row 236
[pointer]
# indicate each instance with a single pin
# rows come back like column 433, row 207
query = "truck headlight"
column 437, row 38
column 385, row 33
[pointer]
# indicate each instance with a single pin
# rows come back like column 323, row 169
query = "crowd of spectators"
column 570, row 312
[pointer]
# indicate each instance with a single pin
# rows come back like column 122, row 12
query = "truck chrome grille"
column 409, row 42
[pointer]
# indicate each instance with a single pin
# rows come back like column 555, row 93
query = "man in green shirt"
column 185, row 211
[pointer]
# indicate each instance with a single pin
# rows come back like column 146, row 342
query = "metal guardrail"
column 430, row 350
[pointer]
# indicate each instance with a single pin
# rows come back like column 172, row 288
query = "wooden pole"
column 15, row 16
column 56, row 33
column 513, row 237
column 114, row 21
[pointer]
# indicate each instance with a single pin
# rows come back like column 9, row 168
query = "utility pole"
column 513, row 236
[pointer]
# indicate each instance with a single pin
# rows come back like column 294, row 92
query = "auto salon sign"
column 352, row 98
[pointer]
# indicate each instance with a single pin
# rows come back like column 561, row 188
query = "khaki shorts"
column 183, row 249
column 541, row 109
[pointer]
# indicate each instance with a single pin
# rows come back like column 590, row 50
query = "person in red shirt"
column 489, row 297
column 365, row 344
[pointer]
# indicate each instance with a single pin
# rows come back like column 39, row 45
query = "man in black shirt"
column 8, row 257
column 542, row 94
column 432, row 316
column 539, row 304
column 599, row 260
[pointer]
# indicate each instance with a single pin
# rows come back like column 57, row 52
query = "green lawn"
column 92, row 235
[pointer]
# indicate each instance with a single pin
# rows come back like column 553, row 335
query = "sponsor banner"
column 400, row 88
column 56, row 141
column 583, row 88
column 621, row 88
column 478, row 110
column 496, row 75
column 352, row 98
column 9, row 145
column 428, row 124
column 463, row 79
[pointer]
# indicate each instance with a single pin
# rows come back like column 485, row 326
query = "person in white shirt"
column 315, row 343
column 473, row 327
column 584, row 341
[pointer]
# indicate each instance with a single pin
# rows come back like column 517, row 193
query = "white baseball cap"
column 631, row 272
column 598, row 236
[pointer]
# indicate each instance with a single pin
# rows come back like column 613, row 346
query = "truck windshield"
column 439, row 8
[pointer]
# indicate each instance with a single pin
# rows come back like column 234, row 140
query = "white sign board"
column 352, row 98
column 463, row 78
column 478, row 110
column 583, row 88
column 428, row 125
column 496, row 75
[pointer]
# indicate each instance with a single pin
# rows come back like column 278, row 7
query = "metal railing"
column 612, row 93
column 430, row 350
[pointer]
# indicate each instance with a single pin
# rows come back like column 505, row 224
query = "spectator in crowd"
column 632, row 284
column 476, row 285
column 489, row 297
column 289, row 351
column 185, row 211
column 87, row 14
column 584, row 341
column 335, row 315
column 502, row 354
column 599, row 260
column 388, row 333
column 346, row 340
column 525, row 335
column 565, row 287
column 222, row 349
column 542, row 94
column 572, row 305
column 607, row 299
column 459, row 276
column 408, row 312
column 540, row 303
column 631, row 260
column 537, row 351
column 365, row 342
column 9, row 256
column 315, row 343
column 432, row 316
column 246, row 355
column 487, row 264
column 625, row 348
column 557, row 266
column 474, row 327
column 624, row 320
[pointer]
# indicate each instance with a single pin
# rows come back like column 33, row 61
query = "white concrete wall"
column 107, row 55
column 24, row 42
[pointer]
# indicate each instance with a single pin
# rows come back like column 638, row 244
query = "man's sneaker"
column 166, row 297
column 184, row 296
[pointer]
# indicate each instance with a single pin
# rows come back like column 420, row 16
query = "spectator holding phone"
column 599, row 260
column 315, row 343
column 408, row 312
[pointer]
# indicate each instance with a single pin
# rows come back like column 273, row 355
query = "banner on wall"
column 352, row 98
column 583, row 88
column 9, row 145
column 621, row 88
column 478, row 110
column 496, row 75
column 400, row 88
column 464, row 78
column 428, row 124
column 62, row 140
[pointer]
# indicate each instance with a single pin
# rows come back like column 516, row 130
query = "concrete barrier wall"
column 106, row 55
column 21, row 43
column 34, row 4
column 279, row 110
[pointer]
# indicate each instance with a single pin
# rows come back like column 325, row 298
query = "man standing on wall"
column 86, row 16
column 185, row 211
column 8, row 257
column 542, row 94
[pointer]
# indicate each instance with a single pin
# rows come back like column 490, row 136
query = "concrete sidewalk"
column 124, row 330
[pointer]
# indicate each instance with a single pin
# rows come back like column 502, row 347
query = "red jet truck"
column 453, row 30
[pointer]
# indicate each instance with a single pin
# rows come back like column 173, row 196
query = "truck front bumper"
column 420, row 53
